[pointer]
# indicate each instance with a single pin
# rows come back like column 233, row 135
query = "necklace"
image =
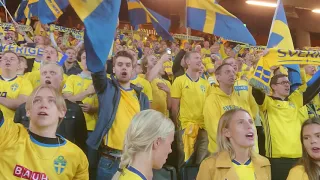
column 37, row 153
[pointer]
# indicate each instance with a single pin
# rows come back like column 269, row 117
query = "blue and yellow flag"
column 209, row 17
column 19, row 14
column 139, row 14
column 100, row 18
column 51, row 10
column 31, row 9
column 280, row 37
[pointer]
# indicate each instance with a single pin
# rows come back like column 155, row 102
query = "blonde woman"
column 146, row 146
column 308, row 167
column 38, row 152
column 235, row 158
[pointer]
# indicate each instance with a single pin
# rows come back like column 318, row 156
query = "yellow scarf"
column 275, row 57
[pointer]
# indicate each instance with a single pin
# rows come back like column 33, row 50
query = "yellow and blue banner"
column 51, row 10
column 100, row 18
column 19, row 14
column 139, row 14
column 209, row 17
column 276, row 57
column 30, row 52
column 280, row 37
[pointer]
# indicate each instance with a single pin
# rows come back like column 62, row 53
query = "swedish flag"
column 280, row 37
column 31, row 9
column 19, row 14
column 139, row 14
column 209, row 17
column 100, row 18
column 51, row 10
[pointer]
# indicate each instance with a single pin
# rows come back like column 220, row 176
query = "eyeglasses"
column 284, row 83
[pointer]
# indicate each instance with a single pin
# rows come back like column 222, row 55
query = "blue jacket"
column 108, row 92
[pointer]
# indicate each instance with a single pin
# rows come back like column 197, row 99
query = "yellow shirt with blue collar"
column 24, row 157
column 130, row 173
column 127, row 108
column 244, row 171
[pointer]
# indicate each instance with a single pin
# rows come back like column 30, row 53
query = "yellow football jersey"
column 282, row 126
column 76, row 85
column 34, row 78
column 244, row 171
column 192, row 96
column 144, row 84
column 24, row 157
column 159, row 102
column 218, row 100
column 205, row 52
column 168, row 67
column 128, row 107
column 131, row 173
column 11, row 89
column 207, row 62
column 36, row 66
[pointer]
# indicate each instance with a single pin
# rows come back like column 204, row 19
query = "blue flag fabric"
column 139, row 14
column 100, row 18
column 51, row 10
column 209, row 17
column 19, row 14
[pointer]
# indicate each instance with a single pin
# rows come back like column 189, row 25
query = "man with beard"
column 119, row 101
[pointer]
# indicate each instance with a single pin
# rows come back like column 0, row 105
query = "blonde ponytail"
column 146, row 127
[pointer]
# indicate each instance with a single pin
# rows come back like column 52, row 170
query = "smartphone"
column 169, row 51
column 79, row 102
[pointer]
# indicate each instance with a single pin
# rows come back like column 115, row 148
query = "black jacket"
column 73, row 127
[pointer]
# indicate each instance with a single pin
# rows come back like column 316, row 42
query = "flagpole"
column 185, row 21
column 8, row 12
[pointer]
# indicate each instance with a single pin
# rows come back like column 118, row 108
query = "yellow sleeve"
column 69, row 86
column 9, row 133
column 82, row 171
column 26, row 88
column 297, row 98
column 169, row 85
column 147, row 90
column 204, row 170
column 65, row 77
column 211, row 121
column 253, row 104
column 265, row 103
column 297, row 173
column 176, row 90
column 207, row 63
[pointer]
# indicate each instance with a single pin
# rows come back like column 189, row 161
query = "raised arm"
column 177, row 61
column 313, row 88
column 258, row 95
column 100, row 81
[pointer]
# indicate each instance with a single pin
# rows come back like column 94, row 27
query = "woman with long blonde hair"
column 235, row 158
column 308, row 167
column 146, row 146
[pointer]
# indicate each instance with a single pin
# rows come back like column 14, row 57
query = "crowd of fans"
column 152, row 98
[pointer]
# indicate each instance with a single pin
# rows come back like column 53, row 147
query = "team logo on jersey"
column 292, row 105
column 79, row 84
column 60, row 164
column 14, row 87
column 203, row 88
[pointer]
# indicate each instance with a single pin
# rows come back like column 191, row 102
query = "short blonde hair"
column 46, row 63
column 223, row 142
column 145, row 128
column 60, row 102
